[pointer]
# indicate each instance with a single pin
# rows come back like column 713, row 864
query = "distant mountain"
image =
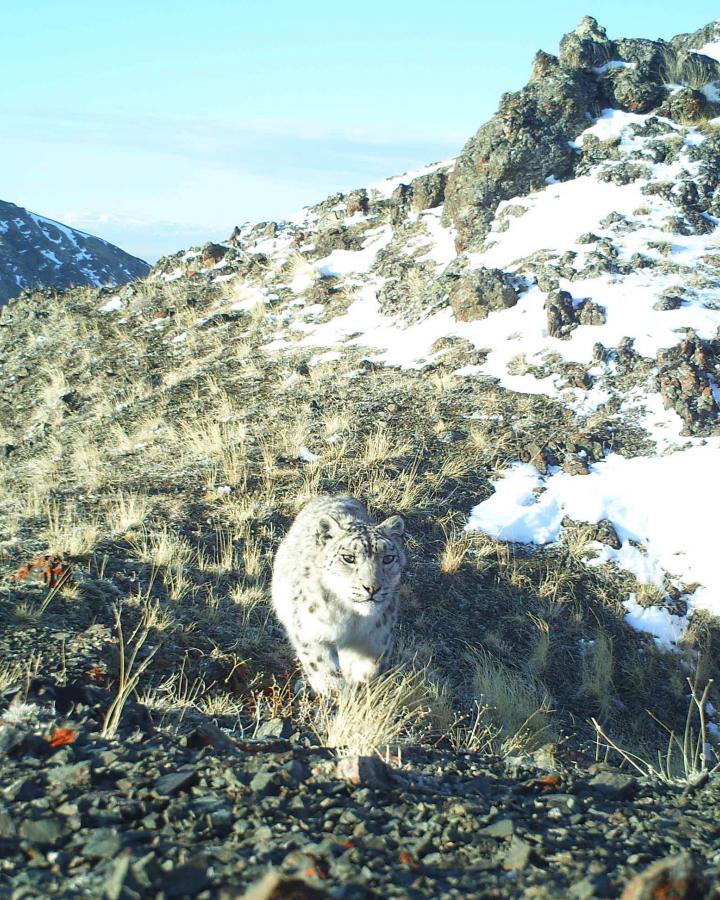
column 38, row 252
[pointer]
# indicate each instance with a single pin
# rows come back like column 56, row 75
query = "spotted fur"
column 335, row 589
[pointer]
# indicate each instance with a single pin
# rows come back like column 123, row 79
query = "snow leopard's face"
column 362, row 564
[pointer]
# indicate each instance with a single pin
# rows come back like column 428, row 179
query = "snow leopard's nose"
column 370, row 590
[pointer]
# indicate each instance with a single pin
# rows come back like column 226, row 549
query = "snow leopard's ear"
column 393, row 527
column 327, row 529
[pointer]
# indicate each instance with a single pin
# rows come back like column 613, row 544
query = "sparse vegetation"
column 154, row 453
column 516, row 703
column 130, row 668
column 680, row 67
column 388, row 711
column 688, row 755
column 174, row 446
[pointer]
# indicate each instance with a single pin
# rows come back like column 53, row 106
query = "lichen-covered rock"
column 688, row 105
column 586, row 47
column 575, row 465
column 671, row 298
column 476, row 292
column 675, row 876
column 399, row 203
column 589, row 313
column 632, row 90
column 595, row 151
column 524, row 144
column 668, row 301
column 263, row 230
column 236, row 239
column 604, row 531
column 357, row 202
column 213, row 253
column 684, row 384
column 561, row 316
column 689, row 223
column 337, row 238
column 428, row 191
column 694, row 40
column 624, row 172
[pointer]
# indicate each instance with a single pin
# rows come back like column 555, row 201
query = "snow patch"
column 112, row 305
column 347, row 262
column 658, row 506
column 711, row 49
column 388, row 185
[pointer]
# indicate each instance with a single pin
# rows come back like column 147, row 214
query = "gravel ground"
column 204, row 813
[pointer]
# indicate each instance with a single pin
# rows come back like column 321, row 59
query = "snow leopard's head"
column 361, row 564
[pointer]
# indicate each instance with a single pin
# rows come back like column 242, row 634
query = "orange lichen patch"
column 51, row 570
column 317, row 871
column 61, row 737
column 407, row 859
column 97, row 674
column 549, row 782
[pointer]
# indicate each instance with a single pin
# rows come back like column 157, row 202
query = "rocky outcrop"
column 685, row 386
column 36, row 252
column 528, row 141
column 428, row 191
column 564, row 314
column 475, row 293
column 522, row 146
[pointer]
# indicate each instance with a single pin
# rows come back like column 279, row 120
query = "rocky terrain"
column 516, row 350
column 36, row 252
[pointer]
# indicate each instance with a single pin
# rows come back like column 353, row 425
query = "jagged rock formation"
column 528, row 141
column 37, row 252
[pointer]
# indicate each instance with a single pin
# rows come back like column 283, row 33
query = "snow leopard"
column 335, row 588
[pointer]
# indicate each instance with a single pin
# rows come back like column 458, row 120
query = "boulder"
column 524, row 143
column 561, row 314
column 428, row 191
column 477, row 292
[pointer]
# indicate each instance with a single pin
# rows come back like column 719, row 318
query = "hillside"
column 518, row 350
column 36, row 252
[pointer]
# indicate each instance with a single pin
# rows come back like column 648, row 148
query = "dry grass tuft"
column 378, row 447
column 455, row 550
column 10, row 674
column 688, row 757
column 126, row 511
column 388, row 711
column 596, row 671
column 220, row 704
column 474, row 733
column 132, row 663
column 688, row 68
column 68, row 533
column 517, row 704
column 297, row 266
column 161, row 547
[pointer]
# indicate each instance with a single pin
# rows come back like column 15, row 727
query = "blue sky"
column 158, row 124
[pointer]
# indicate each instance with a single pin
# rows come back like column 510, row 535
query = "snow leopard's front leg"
column 321, row 665
column 358, row 664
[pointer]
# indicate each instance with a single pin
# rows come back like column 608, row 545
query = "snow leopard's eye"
column 388, row 559
column 349, row 558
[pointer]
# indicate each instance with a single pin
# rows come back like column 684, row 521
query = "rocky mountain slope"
column 36, row 252
column 518, row 351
